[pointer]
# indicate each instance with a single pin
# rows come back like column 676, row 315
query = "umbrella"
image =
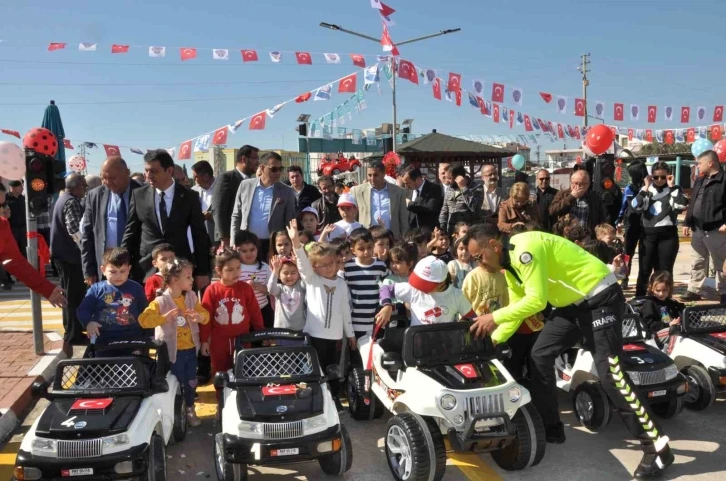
column 52, row 121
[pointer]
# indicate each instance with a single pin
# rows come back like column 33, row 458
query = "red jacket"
column 15, row 263
column 233, row 311
column 153, row 283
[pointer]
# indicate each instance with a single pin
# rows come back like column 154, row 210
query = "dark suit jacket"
column 143, row 232
column 424, row 211
column 307, row 196
column 544, row 200
column 93, row 240
column 225, row 191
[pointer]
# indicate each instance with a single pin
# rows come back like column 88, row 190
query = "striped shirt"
column 256, row 273
column 363, row 282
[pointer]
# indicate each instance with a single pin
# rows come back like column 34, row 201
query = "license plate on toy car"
column 77, row 472
column 657, row 393
column 285, row 452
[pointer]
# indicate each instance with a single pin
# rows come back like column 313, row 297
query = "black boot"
column 555, row 433
column 653, row 464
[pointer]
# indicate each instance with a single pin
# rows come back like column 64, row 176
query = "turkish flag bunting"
column 67, row 144
column 220, row 136
column 527, row 123
column 386, row 10
column 119, row 48
column 546, row 97
column 498, row 93
column 482, row 105
column 56, row 46
column 185, row 151
column 652, row 113
column 188, row 53
column 358, row 60
column 408, row 71
column 495, row 115
column 258, row 121
column 649, row 135
column 716, row 132
column 691, row 135
column 580, row 107
column 387, row 43
column 437, row 88
column 614, row 131
column 111, row 150
column 454, row 82
column 542, row 125
column 303, row 97
column 249, row 55
column 348, row 84
column 458, row 97
column 685, row 115
column 512, row 113
column 303, row 58
column 668, row 136
column 560, row 131
column 718, row 113
column 576, row 132
column 618, row 111
column 10, row 132
column 630, row 134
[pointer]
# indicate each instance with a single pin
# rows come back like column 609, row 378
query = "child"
column 348, row 210
column 161, row 255
column 111, row 307
column 342, row 251
column 255, row 272
column 660, row 310
column 306, row 238
column 460, row 230
column 420, row 238
column 607, row 255
column 439, row 245
column 289, row 291
column 461, row 266
column 382, row 242
column 309, row 221
column 605, row 233
column 280, row 244
column 403, row 258
column 233, row 307
column 429, row 293
column 576, row 233
column 176, row 315
column 363, row 274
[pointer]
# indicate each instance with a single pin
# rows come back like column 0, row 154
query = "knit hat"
column 428, row 274
column 312, row 210
column 347, row 200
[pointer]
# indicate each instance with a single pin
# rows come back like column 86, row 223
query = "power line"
column 25, row 84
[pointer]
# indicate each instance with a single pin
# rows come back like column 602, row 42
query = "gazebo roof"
column 436, row 144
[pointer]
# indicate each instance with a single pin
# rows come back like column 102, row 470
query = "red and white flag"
column 630, row 134
column 580, row 107
column 188, row 53
column 185, row 151
column 546, row 97
column 497, row 92
column 111, row 150
column 437, row 88
column 408, row 71
column 10, row 132
column 348, row 84
column 668, row 136
column 303, row 58
column 454, row 82
column 576, row 132
column 691, row 135
column 220, row 136
column 685, row 115
column 718, row 113
column 249, row 55
column 358, row 60
column 385, row 10
column 560, row 131
column 618, row 112
column 115, row 48
column 387, row 43
column 652, row 113
column 648, row 135
column 257, row 122
column 67, row 144
column 495, row 113
column 56, row 46
column 527, row 123
column 716, row 132
column 512, row 113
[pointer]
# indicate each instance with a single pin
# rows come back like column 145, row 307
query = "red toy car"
column 339, row 165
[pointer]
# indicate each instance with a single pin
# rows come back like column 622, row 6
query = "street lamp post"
column 392, row 60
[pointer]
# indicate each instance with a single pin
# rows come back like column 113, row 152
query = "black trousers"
column 71, row 279
column 265, row 250
column 659, row 248
column 327, row 350
column 521, row 346
column 633, row 233
column 599, row 322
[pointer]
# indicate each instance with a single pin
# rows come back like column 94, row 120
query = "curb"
column 22, row 399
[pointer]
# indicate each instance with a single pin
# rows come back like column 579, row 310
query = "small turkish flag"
column 249, row 55
column 497, row 92
column 119, row 49
column 111, row 150
column 716, row 132
column 576, row 132
column 718, row 113
column 454, row 82
column 560, row 130
column 691, row 135
column 284, row 390
column 303, row 58
column 546, row 97
column 258, row 121
column 220, row 136
column 614, row 131
column 358, row 60
column 618, row 112
column 84, row 404
column 668, row 136
column 56, row 46
column 652, row 112
column 185, row 151
column 188, row 53
column 580, row 107
column 11, row 132
column 511, row 118
column 630, row 134
column 457, row 95
column 67, row 144
column 437, row 88
column 527, row 123
column 303, row 97
column 468, row 370
column 685, row 114
column 649, row 135
column 348, row 84
column 495, row 115
column 408, row 71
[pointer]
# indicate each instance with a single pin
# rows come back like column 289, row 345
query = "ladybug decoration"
column 42, row 141
column 391, row 160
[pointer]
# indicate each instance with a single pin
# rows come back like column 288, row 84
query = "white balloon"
column 77, row 163
column 12, row 161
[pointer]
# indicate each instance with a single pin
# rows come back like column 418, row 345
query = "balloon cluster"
column 700, row 146
column 720, row 149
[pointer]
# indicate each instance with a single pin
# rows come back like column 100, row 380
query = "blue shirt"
column 260, row 211
column 112, row 209
column 381, row 206
column 115, row 308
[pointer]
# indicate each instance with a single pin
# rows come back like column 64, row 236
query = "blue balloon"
column 700, row 146
column 518, row 161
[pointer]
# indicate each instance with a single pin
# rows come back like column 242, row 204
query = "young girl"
column 176, row 316
column 289, row 291
column 280, row 244
column 255, row 272
column 460, row 230
column 439, row 246
column 660, row 310
column 461, row 266
column 233, row 306
column 403, row 258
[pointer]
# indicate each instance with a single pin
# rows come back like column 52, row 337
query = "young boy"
column 363, row 274
column 348, row 210
column 439, row 246
column 382, row 242
column 161, row 255
column 309, row 221
column 420, row 238
column 111, row 307
column 605, row 233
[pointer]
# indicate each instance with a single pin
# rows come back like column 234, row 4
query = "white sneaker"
column 192, row 418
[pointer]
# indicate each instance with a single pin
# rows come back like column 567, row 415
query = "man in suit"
column 225, row 191
column 204, row 182
column 545, row 195
column 104, row 221
column 425, row 202
column 380, row 202
column 306, row 194
column 162, row 211
column 264, row 205
column 580, row 202
column 493, row 195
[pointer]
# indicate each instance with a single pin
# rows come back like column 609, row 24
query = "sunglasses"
column 660, row 177
column 275, row 170
column 543, row 178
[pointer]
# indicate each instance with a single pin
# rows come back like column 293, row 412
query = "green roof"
column 446, row 145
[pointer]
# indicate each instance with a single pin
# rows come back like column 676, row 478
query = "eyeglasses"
column 541, row 179
column 274, row 170
column 660, row 177
column 480, row 256
column 581, row 184
column 324, row 266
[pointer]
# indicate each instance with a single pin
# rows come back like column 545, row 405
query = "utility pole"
column 538, row 149
column 584, row 62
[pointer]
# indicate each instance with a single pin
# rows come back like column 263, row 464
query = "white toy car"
column 277, row 409
column 108, row 417
column 439, row 381
column 653, row 373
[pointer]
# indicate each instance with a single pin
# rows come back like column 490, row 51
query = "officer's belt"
column 607, row 281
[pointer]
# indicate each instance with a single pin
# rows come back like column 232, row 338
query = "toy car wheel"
column 701, row 392
column 226, row 471
column 354, row 167
column 668, row 409
column 591, row 405
column 338, row 463
column 336, row 171
column 179, row 432
column 413, row 451
column 357, row 406
column 528, row 447
column 156, row 470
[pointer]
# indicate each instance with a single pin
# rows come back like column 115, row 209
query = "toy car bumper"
column 718, row 377
column 281, row 451
column 472, row 439
column 656, row 393
column 132, row 462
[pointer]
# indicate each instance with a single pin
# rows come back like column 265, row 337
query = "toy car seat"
column 392, row 345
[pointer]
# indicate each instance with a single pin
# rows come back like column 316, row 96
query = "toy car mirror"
column 332, row 372
column 39, row 389
column 220, row 379
column 503, row 351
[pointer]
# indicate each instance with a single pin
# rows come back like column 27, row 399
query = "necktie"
column 121, row 217
column 162, row 212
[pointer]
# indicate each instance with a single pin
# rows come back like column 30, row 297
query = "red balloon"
column 41, row 140
column 720, row 149
column 599, row 139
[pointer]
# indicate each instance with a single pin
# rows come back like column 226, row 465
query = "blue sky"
column 646, row 52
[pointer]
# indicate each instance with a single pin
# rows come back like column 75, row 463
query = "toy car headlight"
column 635, row 377
column 515, row 394
column 671, row 372
column 246, row 427
column 447, row 402
column 116, row 441
column 45, row 447
column 314, row 422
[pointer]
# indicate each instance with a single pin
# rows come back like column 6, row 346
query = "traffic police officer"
column 543, row 268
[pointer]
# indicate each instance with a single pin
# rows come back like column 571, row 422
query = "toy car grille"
column 704, row 319
column 99, row 376
column 90, row 448
column 643, row 378
column 489, row 404
column 282, row 430
column 276, row 364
